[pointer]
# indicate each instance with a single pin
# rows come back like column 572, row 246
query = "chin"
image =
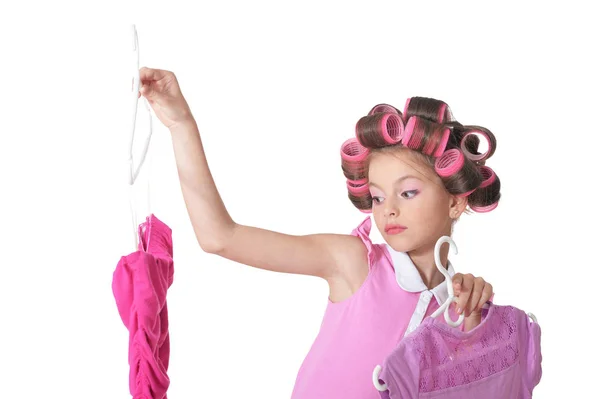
column 399, row 243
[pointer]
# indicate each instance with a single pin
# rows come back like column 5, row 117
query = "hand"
column 162, row 91
column 472, row 292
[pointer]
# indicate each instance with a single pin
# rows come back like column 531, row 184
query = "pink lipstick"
column 394, row 229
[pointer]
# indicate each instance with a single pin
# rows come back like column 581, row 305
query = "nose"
column 391, row 209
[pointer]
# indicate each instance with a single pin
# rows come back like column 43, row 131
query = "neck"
column 424, row 260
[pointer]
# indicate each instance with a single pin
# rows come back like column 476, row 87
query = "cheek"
column 428, row 211
column 379, row 219
column 378, row 216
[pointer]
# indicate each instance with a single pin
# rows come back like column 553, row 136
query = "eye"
column 410, row 194
column 377, row 200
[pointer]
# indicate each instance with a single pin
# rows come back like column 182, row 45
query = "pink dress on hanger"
column 499, row 359
column 140, row 283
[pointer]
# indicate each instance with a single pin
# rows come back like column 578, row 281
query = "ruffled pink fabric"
column 140, row 283
column 362, row 231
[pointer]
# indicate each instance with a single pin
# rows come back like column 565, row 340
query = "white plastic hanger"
column 134, row 171
column 445, row 307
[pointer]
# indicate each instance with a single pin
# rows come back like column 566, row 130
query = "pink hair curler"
column 408, row 129
column 357, row 189
column 406, row 106
column 476, row 157
column 449, row 163
column 483, row 209
column 442, row 113
column 388, row 126
column 466, row 194
column 353, row 151
column 441, row 146
column 443, row 143
column 410, row 139
column 392, row 128
column 414, row 140
column 429, row 145
column 385, row 108
column 366, row 210
column 488, row 176
column 358, row 182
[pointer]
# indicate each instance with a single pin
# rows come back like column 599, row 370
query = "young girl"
column 416, row 171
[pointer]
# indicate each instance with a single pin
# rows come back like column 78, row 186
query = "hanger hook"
column 134, row 37
column 438, row 262
column 448, row 278
column 533, row 318
column 380, row 387
column 133, row 170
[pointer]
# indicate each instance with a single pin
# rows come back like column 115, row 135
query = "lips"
column 394, row 228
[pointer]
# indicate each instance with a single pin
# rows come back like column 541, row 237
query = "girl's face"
column 411, row 206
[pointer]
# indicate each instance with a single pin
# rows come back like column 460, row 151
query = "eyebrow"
column 397, row 181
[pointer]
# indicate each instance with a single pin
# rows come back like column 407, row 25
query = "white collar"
column 410, row 280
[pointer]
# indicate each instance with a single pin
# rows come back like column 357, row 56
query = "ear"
column 457, row 206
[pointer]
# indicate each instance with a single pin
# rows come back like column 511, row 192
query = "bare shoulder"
column 352, row 267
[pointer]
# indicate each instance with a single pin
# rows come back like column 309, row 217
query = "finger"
column 153, row 74
column 148, row 90
column 144, row 90
column 478, row 286
column 487, row 293
column 465, row 292
column 457, row 280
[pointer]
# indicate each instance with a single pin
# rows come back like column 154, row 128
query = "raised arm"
column 330, row 256
column 323, row 255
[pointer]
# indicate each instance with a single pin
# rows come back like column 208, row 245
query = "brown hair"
column 427, row 127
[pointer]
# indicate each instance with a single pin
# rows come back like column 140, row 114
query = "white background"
column 276, row 87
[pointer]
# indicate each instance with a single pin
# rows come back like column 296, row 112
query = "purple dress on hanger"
column 499, row 359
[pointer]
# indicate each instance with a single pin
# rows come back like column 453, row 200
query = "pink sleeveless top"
column 358, row 333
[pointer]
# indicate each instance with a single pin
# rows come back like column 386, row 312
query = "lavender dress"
column 499, row 359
